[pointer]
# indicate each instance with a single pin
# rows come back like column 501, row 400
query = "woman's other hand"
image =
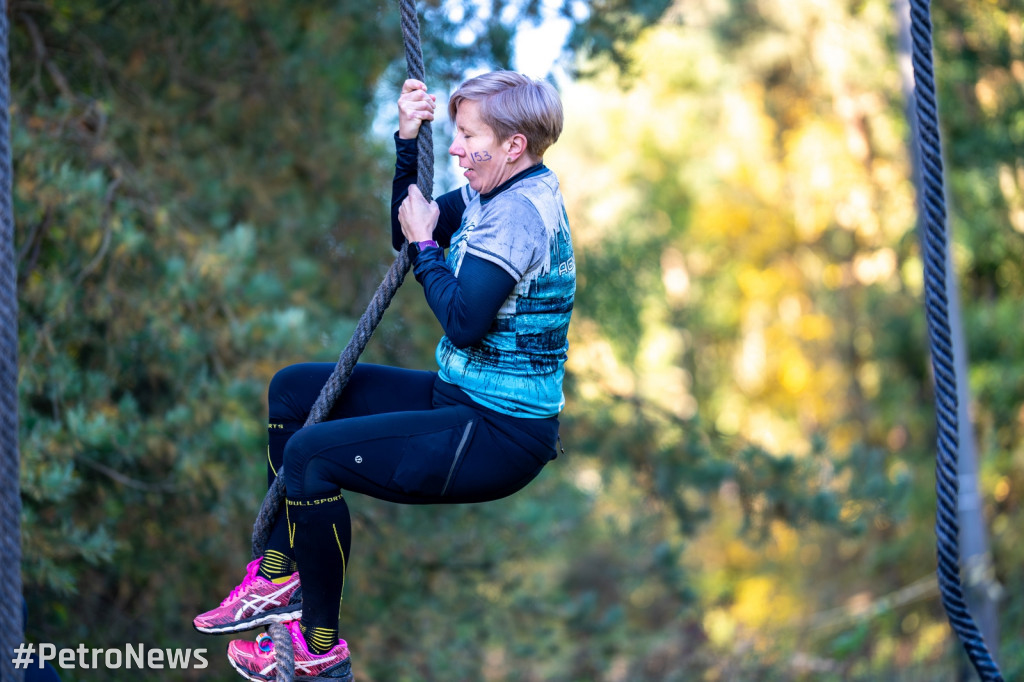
column 418, row 216
column 415, row 105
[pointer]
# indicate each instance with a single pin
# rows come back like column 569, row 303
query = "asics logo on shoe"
column 318, row 664
column 261, row 602
column 255, row 602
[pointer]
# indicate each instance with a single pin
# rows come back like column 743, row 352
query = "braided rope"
column 275, row 497
column 11, row 633
column 947, row 526
column 414, row 65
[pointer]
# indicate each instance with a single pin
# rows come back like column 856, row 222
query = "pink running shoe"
column 255, row 660
column 255, row 602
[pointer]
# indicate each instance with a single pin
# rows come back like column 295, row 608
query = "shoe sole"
column 245, row 673
column 254, row 677
column 266, row 618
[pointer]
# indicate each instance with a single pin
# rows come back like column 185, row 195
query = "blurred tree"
column 746, row 494
column 181, row 215
column 200, row 200
column 745, row 214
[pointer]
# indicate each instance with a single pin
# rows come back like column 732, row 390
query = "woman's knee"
column 291, row 389
column 303, row 478
column 296, row 458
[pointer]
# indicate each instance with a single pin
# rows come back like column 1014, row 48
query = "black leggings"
column 395, row 434
column 391, row 435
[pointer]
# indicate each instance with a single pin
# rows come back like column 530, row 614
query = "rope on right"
column 947, row 526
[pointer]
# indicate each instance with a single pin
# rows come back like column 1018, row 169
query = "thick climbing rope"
column 274, row 499
column 11, row 634
column 947, row 526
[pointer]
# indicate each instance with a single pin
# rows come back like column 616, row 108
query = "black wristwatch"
column 417, row 247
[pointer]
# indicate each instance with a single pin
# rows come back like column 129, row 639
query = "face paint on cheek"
column 480, row 157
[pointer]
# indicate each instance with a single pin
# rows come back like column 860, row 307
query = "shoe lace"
column 298, row 638
column 250, row 575
column 295, row 629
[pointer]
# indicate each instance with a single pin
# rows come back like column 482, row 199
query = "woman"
column 479, row 428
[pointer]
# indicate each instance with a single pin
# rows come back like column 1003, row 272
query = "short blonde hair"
column 512, row 103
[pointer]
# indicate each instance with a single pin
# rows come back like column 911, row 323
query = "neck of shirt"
column 521, row 175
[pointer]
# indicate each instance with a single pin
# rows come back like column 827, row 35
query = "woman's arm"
column 416, row 105
column 451, row 204
column 465, row 305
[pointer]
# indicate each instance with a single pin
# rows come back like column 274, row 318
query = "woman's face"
column 479, row 151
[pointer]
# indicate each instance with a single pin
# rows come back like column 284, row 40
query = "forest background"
column 747, row 489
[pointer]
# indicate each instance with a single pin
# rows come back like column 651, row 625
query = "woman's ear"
column 515, row 147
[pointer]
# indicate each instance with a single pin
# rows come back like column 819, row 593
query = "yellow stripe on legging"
column 291, row 527
column 344, row 564
column 270, row 463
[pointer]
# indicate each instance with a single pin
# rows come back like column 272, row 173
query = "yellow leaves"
column 933, row 638
column 760, row 601
column 771, row 341
column 989, row 88
column 795, row 371
column 1001, row 491
column 856, row 211
column 760, row 284
column 986, row 92
column 662, row 381
column 751, row 360
column 679, row 55
column 747, row 143
column 817, row 166
column 592, row 359
column 724, row 219
column 851, row 511
column 876, row 266
column 815, row 327
column 720, row 627
column 869, row 375
column 1017, row 69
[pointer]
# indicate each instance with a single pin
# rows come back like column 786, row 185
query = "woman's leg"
column 290, row 397
column 363, row 454
column 444, row 455
column 292, row 392
column 371, row 389
column 268, row 593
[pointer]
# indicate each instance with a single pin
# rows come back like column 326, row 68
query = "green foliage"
column 787, row 324
column 198, row 203
column 747, row 488
column 167, row 170
column 612, row 26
